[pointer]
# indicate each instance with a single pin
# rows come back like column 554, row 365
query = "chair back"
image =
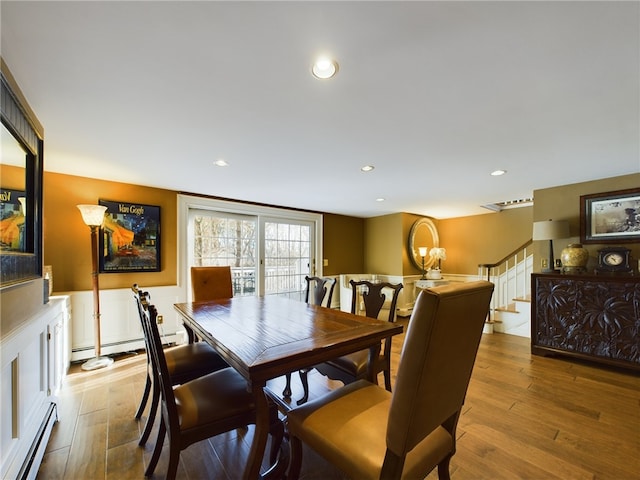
column 160, row 368
column 142, row 299
column 373, row 297
column 437, row 358
column 211, row 283
column 320, row 289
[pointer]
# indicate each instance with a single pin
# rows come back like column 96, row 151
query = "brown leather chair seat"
column 197, row 406
column 192, row 360
column 353, row 426
column 354, row 363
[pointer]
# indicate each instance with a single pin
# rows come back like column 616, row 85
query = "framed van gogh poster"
column 130, row 238
column 12, row 220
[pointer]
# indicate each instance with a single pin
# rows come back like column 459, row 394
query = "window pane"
column 220, row 240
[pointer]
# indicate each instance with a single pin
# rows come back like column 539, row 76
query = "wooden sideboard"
column 595, row 318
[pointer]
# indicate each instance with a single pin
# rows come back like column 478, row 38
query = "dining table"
column 264, row 337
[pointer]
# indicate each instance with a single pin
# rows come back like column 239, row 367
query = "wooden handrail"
column 506, row 257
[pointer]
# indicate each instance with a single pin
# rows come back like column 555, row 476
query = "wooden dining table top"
column 266, row 337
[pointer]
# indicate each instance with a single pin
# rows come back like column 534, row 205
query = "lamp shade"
column 550, row 229
column 422, row 251
column 93, row 215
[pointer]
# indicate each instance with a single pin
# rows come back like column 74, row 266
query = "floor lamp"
column 550, row 230
column 93, row 216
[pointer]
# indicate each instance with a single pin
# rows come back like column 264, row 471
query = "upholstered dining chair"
column 371, row 433
column 354, row 366
column 201, row 408
column 209, row 283
column 319, row 291
column 185, row 362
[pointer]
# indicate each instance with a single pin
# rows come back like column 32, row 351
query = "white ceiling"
column 435, row 95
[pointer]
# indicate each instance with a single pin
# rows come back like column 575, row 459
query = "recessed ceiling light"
column 324, row 68
column 497, row 173
column 380, row 199
column 220, row 163
column 367, row 168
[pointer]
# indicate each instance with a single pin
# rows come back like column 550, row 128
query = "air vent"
column 497, row 207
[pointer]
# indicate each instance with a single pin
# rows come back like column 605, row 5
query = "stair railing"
column 511, row 276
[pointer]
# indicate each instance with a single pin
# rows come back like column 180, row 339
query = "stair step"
column 511, row 308
column 526, row 298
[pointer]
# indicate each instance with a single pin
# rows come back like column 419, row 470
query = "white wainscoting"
column 120, row 328
column 33, row 361
column 406, row 297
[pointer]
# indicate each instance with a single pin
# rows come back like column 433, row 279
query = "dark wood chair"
column 202, row 408
column 319, row 291
column 368, row 432
column 354, row 366
column 186, row 362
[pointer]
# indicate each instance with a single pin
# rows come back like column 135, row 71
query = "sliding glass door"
column 287, row 257
column 219, row 238
column 269, row 250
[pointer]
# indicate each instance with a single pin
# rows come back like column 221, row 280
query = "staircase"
column 510, row 311
column 514, row 318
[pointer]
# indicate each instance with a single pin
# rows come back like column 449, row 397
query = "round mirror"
column 423, row 234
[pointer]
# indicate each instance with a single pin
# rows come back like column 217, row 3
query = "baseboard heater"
column 121, row 342
column 31, row 464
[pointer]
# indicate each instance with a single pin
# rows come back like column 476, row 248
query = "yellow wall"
column 67, row 246
column 343, row 244
column 485, row 238
column 383, row 245
column 468, row 240
column 11, row 177
column 67, row 242
column 563, row 203
column 351, row 245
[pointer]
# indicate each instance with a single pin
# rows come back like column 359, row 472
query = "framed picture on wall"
column 12, row 221
column 130, row 238
column 610, row 217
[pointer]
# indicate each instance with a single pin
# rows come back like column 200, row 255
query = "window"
column 219, row 238
column 269, row 250
column 287, row 257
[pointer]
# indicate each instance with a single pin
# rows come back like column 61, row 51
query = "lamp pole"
column 423, row 253
column 96, row 289
column 93, row 216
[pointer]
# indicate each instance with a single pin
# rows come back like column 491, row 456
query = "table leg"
column 259, row 443
column 191, row 337
column 374, row 355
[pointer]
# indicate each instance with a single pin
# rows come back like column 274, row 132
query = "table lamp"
column 550, row 230
column 422, row 251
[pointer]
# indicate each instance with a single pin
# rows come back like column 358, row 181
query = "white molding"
column 30, row 368
column 119, row 320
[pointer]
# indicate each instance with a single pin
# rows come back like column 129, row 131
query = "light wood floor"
column 526, row 417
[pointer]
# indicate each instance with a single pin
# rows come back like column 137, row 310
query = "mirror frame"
column 414, row 255
column 17, row 117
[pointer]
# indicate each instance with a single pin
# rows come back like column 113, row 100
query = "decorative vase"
column 574, row 258
column 434, row 274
